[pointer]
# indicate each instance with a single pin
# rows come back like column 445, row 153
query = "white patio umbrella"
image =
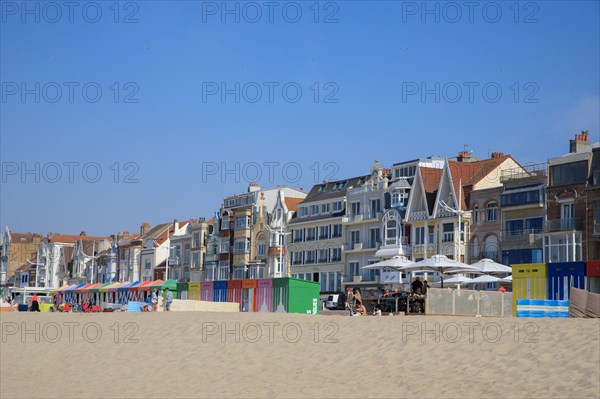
column 485, row 278
column 441, row 264
column 489, row 266
column 394, row 263
column 458, row 280
column 507, row 279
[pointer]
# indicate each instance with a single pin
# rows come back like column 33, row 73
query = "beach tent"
column 194, row 291
column 103, row 291
column 122, row 292
column 132, row 290
column 264, row 295
column 182, row 290
column 529, row 283
column 79, row 293
column 220, row 291
column 59, row 294
column 234, row 291
column 98, row 293
column 562, row 276
column 139, row 291
column 112, row 295
column 170, row 284
column 70, row 292
column 295, row 296
column 249, row 294
column 207, row 291
column 87, row 294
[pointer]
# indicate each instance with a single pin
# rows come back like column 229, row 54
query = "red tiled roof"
column 292, row 203
column 431, row 178
column 17, row 237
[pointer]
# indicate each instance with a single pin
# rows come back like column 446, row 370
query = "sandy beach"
column 193, row 354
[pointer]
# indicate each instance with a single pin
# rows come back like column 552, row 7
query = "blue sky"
column 363, row 58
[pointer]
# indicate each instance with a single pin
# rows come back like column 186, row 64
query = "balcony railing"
column 520, row 234
column 551, row 226
column 527, row 172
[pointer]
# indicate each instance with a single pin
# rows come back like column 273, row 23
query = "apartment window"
column 431, row 234
column 242, row 222
column 448, row 232
column 353, row 269
column 323, row 255
column 186, row 254
column 224, row 245
column 337, row 230
column 375, row 207
column 296, row 257
column 314, row 210
column 310, row 257
column 325, row 208
column 567, row 211
column 521, row 198
column 303, row 212
column 298, row 235
column 176, row 251
column 311, row 233
column 562, row 248
column 262, row 249
column 196, row 239
column 514, row 227
column 337, row 206
column 195, row 260
column 148, row 265
column 241, row 245
column 355, row 236
column 355, row 208
column 419, row 235
column 323, row 232
column 534, row 225
column 491, row 214
column 223, row 272
column 475, row 214
column 225, row 223
column 336, row 254
column 573, row 172
column 374, row 237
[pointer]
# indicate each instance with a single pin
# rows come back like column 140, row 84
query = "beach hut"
column 234, row 291
column 264, row 295
column 134, row 292
column 563, row 276
column 88, row 295
column 80, row 292
column 207, row 291
column 58, row 294
column 70, row 295
column 592, row 273
column 113, row 293
column 295, row 296
column 103, row 291
column 123, row 293
column 249, row 294
column 95, row 292
column 194, row 291
column 529, row 283
column 182, row 290
column 220, row 291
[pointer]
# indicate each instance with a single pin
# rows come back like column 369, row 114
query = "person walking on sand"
column 154, row 300
column 169, row 299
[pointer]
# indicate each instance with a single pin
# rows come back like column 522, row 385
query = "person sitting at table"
column 425, row 287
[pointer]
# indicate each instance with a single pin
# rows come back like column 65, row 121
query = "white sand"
column 367, row 357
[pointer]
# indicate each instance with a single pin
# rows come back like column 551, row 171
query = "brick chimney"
column 252, row 187
column 175, row 226
column 144, row 228
column 580, row 142
column 82, row 234
column 465, row 156
column 497, row 154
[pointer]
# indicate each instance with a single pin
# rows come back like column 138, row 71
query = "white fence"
column 447, row 301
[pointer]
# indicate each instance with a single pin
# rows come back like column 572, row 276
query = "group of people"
column 417, row 295
column 151, row 301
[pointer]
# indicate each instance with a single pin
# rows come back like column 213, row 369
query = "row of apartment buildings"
column 463, row 207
